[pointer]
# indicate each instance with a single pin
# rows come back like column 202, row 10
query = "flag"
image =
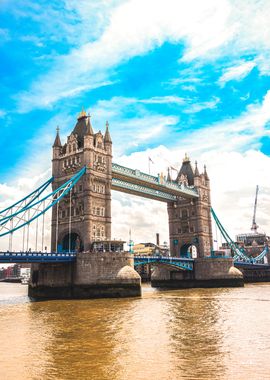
column 173, row 168
column 150, row 159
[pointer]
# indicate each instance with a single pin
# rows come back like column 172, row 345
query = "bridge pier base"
column 93, row 275
column 207, row 273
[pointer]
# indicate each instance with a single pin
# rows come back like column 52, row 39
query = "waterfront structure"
column 83, row 177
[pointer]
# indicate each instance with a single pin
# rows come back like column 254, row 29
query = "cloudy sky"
column 170, row 76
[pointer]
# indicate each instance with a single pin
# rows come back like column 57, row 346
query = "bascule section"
column 190, row 226
column 84, row 215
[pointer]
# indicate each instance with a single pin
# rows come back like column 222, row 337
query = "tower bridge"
column 83, row 176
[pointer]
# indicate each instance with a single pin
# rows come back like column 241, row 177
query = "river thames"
column 164, row 335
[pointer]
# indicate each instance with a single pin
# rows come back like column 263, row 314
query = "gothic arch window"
column 185, row 229
column 73, row 147
column 184, row 213
column 98, row 211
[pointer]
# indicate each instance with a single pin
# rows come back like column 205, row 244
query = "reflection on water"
column 185, row 334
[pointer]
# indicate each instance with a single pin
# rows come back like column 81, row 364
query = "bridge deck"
column 36, row 257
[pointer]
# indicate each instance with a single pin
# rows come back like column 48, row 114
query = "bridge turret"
column 57, row 150
column 57, row 146
column 107, row 139
column 88, row 142
column 186, row 173
column 196, row 172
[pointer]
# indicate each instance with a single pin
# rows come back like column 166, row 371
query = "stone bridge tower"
column 85, row 214
column 190, row 220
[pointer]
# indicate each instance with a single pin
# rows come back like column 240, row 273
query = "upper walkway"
column 135, row 182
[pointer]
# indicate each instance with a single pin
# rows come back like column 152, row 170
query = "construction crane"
column 254, row 224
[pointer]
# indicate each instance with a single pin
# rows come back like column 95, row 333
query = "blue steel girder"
column 36, row 257
column 136, row 177
column 177, row 262
column 34, row 210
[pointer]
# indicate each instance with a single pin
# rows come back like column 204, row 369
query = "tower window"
column 184, row 214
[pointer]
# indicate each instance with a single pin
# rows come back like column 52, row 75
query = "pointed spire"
column 82, row 114
column 186, row 158
column 89, row 129
column 196, row 173
column 57, row 141
column 169, row 178
column 205, row 173
column 107, row 137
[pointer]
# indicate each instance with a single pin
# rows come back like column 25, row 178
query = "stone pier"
column 93, row 275
column 208, row 273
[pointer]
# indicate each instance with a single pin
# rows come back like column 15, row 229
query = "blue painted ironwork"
column 26, row 201
column 240, row 254
column 251, row 265
column 178, row 262
column 36, row 257
column 32, row 211
column 134, row 176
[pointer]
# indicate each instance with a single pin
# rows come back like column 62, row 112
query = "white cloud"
column 237, row 72
column 163, row 100
column 198, row 107
column 2, row 113
column 136, row 27
column 238, row 134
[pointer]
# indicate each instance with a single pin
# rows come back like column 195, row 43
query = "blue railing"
column 36, row 257
column 178, row 262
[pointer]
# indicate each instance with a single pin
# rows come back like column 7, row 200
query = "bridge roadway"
column 135, row 182
column 52, row 257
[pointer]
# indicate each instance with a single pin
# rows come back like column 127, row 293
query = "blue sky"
column 169, row 76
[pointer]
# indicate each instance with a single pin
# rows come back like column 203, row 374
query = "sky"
column 170, row 76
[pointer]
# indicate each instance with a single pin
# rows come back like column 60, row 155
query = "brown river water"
column 164, row 335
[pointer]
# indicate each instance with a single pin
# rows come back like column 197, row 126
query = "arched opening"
column 189, row 250
column 72, row 242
